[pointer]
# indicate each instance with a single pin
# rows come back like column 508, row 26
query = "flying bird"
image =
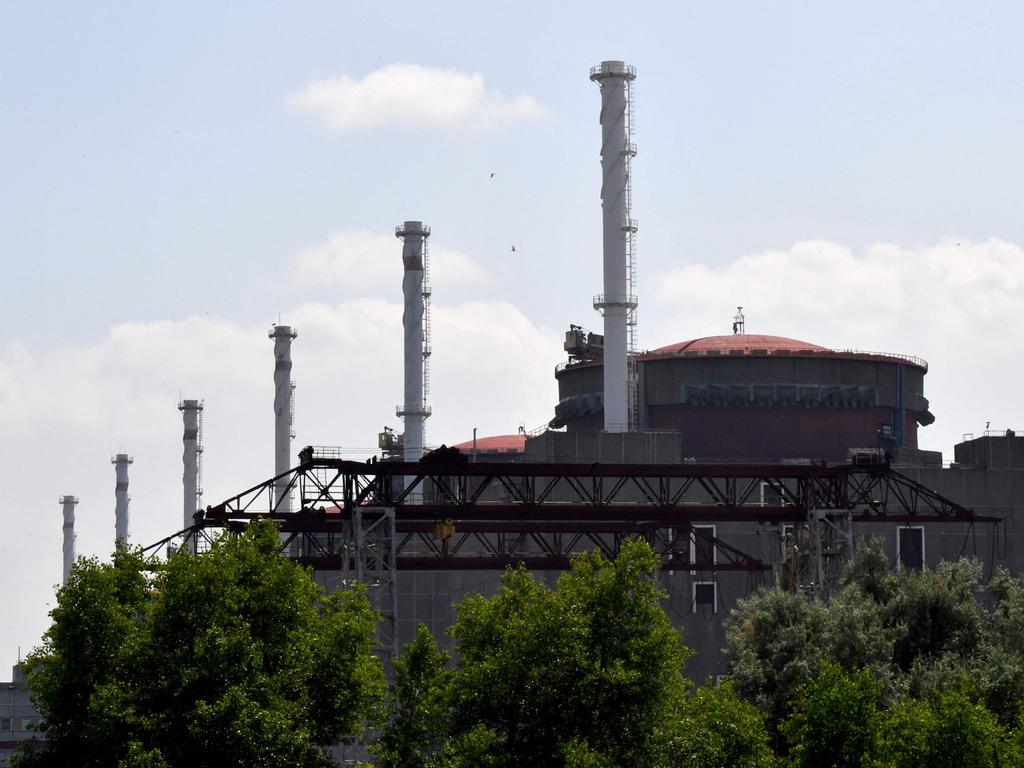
column 492, row 174
column 513, row 249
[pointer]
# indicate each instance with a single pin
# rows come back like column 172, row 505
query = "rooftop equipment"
column 739, row 322
column 618, row 302
column 583, row 345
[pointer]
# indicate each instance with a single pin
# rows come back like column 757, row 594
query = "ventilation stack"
column 121, row 497
column 191, row 458
column 283, row 398
column 416, row 323
column 68, row 503
column 618, row 302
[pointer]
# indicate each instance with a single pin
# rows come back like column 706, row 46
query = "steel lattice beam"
column 542, row 514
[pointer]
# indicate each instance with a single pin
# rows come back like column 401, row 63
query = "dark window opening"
column 911, row 548
column 703, row 545
column 704, row 595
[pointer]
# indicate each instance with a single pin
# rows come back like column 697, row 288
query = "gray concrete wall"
column 17, row 715
column 994, row 492
column 991, row 451
column 609, row 447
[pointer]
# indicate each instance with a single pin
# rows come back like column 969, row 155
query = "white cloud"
column 956, row 305
column 361, row 263
column 63, row 413
column 410, row 95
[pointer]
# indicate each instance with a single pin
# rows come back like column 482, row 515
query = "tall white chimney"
column 192, row 419
column 121, row 497
column 618, row 302
column 282, row 336
column 68, row 504
column 416, row 324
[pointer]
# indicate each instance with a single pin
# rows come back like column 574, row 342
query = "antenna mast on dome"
column 739, row 322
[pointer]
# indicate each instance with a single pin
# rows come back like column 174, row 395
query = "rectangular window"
column 910, row 547
column 705, row 597
column 5, row 723
column 771, row 496
column 702, row 548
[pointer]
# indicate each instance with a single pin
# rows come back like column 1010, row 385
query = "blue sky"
column 163, row 199
column 150, row 163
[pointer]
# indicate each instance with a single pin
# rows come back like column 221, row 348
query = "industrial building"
column 744, row 459
column 746, row 396
column 18, row 718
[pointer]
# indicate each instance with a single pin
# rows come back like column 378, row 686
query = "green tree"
column 82, row 655
column 716, row 729
column 1000, row 674
column 233, row 657
column 918, row 634
column 774, row 644
column 936, row 613
column 419, row 706
column 946, row 731
column 870, row 572
column 833, row 720
column 584, row 674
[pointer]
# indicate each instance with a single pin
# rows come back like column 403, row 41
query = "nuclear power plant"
column 743, row 459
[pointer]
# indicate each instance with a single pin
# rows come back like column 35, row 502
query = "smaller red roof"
column 495, row 444
column 739, row 342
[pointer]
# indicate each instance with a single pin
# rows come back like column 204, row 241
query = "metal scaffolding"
column 358, row 518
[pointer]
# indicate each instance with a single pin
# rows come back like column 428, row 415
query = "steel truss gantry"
column 491, row 515
column 360, row 519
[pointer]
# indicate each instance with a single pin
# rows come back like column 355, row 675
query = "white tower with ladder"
column 416, row 325
column 618, row 302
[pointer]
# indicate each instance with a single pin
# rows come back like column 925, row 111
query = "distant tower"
column 283, row 417
column 416, row 323
column 68, row 504
column 191, row 459
column 618, row 302
column 121, row 497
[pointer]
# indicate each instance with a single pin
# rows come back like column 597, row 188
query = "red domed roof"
column 495, row 444
column 739, row 342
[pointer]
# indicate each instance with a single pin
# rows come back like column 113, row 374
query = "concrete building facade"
column 18, row 718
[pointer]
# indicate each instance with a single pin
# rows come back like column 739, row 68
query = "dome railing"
column 763, row 352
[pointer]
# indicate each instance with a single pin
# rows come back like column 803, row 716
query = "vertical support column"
column 191, row 414
column 375, row 551
column 830, row 548
column 68, row 504
column 282, row 336
column 121, row 497
column 415, row 291
column 617, row 303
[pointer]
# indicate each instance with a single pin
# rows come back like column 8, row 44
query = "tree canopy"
column 582, row 674
column 233, row 657
column 916, row 632
column 236, row 658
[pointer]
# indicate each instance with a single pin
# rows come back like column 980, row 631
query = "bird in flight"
column 492, row 174
column 513, row 249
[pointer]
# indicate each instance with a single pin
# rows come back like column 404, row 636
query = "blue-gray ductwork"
column 577, row 407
